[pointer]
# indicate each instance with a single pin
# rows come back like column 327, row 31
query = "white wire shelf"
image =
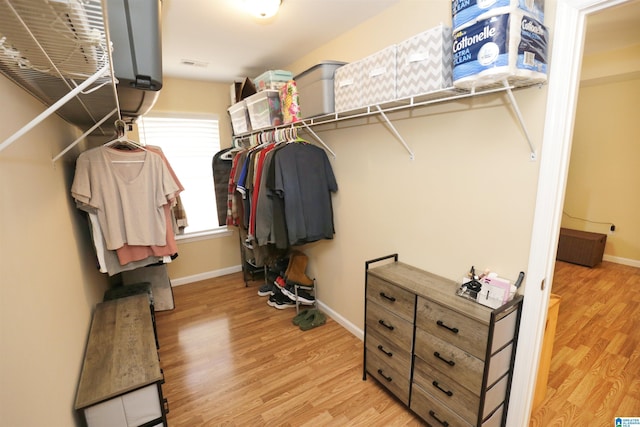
column 436, row 97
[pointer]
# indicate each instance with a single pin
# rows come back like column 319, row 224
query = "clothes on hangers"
column 129, row 194
column 282, row 194
column 221, row 167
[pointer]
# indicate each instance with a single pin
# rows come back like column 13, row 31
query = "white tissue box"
column 424, row 62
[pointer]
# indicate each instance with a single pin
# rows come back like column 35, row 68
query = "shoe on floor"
column 303, row 297
column 296, row 270
column 265, row 290
column 316, row 319
column 280, row 301
column 280, row 282
column 303, row 315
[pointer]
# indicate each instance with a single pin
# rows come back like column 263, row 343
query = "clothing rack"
column 285, row 133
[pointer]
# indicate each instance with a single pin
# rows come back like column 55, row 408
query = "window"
column 189, row 142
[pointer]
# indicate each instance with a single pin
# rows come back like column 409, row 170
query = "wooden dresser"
column 120, row 383
column 450, row 360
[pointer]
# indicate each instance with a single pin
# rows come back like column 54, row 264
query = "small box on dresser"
column 461, row 353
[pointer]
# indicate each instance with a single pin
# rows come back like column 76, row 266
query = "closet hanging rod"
column 84, row 135
column 53, row 108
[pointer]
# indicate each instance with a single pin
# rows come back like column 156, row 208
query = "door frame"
column 564, row 81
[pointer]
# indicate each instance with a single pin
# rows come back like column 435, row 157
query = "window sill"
column 204, row 235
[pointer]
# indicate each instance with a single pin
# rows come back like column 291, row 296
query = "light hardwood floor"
column 595, row 367
column 229, row 359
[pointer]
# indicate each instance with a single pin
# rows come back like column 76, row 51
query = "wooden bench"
column 120, row 383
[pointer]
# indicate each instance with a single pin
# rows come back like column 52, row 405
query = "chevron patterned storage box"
column 347, row 87
column 380, row 76
column 425, row 62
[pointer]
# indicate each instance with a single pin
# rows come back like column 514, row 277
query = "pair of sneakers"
column 279, row 300
column 303, row 297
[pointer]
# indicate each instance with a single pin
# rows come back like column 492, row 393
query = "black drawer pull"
column 384, row 376
column 388, row 353
column 389, row 327
column 433, row 415
column 447, row 392
column 383, row 295
column 166, row 406
column 449, row 362
column 441, row 323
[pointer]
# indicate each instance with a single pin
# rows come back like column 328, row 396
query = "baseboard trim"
column 206, row 275
column 623, row 261
column 359, row 333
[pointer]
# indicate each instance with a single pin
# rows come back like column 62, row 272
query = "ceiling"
column 216, row 40
column 222, row 42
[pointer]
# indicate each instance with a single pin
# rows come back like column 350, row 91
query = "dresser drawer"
column 398, row 300
column 495, row 420
column 457, row 398
column 495, row 396
column 396, row 357
column 389, row 326
column 393, row 380
column 458, row 365
column 433, row 411
column 455, row 328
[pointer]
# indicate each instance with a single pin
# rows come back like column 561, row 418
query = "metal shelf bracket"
column 395, row 131
column 516, row 109
column 54, row 107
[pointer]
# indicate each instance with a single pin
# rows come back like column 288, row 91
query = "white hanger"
column 122, row 139
column 229, row 154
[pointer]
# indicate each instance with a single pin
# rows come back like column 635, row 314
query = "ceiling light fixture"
column 263, row 9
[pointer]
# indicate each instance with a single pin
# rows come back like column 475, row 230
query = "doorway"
column 566, row 58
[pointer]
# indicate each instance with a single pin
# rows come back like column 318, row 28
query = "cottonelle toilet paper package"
column 510, row 46
column 466, row 11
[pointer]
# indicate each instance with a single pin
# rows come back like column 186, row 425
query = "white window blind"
column 189, row 143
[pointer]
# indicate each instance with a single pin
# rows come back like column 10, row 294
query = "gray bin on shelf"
column 315, row 89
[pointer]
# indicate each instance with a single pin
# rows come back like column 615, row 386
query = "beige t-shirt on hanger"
column 128, row 189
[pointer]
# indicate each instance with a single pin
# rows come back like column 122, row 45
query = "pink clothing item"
column 130, row 253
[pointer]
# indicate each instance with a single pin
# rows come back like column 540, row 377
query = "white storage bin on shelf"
column 347, row 83
column 239, row 118
column 315, row 88
column 264, row 109
column 425, row 62
column 380, row 76
column 272, row 80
